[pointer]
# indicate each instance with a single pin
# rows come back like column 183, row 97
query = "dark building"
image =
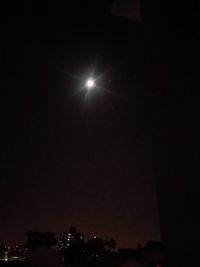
column 171, row 43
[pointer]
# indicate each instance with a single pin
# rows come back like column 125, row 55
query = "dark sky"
column 68, row 157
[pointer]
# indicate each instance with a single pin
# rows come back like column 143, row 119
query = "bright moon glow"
column 90, row 83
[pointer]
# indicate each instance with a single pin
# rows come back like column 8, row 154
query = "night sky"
column 68, row 156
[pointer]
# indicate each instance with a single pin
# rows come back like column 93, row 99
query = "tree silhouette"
column 95, row 246
column 110, row 244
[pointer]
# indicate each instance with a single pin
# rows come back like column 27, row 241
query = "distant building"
column 3, row 253
column 16, row 253
column 67, row 240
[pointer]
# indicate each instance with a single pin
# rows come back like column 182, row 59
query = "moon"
column 90, row 83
